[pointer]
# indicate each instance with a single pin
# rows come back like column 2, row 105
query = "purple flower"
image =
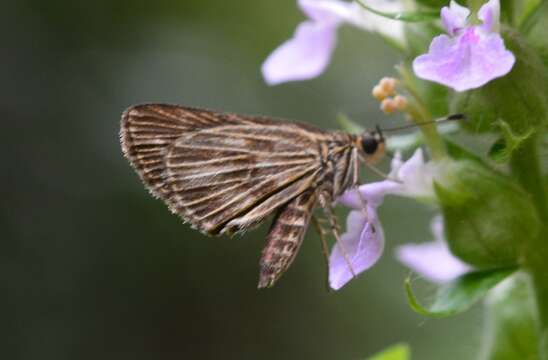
column 308, row 53
column 470, row 56
column 433, row 260
column 360, row 247
column 363, row 242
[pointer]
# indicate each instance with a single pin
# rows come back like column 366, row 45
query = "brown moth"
column 225, row 173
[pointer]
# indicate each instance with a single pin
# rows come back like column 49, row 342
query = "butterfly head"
column 371, row 144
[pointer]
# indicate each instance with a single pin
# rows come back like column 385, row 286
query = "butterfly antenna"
column 453, row 117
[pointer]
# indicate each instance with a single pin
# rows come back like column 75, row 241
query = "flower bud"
column 388, row 85
column 388, row 106
column 400, row 102
column 378, row 93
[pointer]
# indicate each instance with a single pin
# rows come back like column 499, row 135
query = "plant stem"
column 419, row 114
column 432, row 138
column 525, row 167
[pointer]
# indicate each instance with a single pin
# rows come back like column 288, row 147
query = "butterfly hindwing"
column 285, row 237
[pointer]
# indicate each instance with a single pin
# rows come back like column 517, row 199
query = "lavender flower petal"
column 327, row 11
column 465, row 62
column 454, row 17
column 302, row 57
column 363, row 244
column 489, row 14
column 308, row 53
column 413, row 178
column 471, row 56
column 417, row 176
column 432, row 260
column 371, row 194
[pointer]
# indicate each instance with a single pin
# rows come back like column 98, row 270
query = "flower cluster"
column 467, row 58
column 385, row 92
column 363, row 241
column 491, row 205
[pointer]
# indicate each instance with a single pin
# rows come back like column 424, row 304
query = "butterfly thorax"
column 340, row 158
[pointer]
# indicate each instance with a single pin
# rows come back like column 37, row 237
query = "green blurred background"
column 92, row 267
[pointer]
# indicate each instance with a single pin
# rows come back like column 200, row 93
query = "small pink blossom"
column 470, row 56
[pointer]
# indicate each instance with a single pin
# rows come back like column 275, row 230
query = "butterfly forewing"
column 220, row 172
column 147, row 132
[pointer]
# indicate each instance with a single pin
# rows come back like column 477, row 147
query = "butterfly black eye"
column 370, row 144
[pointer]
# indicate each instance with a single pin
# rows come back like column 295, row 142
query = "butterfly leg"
column 325, row 249
column 380, row 173
column 326, row 204
column 364, row 208
column 285, row 238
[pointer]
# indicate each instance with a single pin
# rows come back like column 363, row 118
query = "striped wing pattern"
column 285, row 237
column 220, row 172
column 228, row 178
column 147, row 132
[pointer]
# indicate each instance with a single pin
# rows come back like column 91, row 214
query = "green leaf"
column 527, row 11
column 394, row 352
column 349, row 125
column 498, row 152
column 518, row 12
column 460, row 294
column 407, row 16
column 458, row 152
column 511, row 328
column 534, row 27
column 503, row 148
column 487, row 216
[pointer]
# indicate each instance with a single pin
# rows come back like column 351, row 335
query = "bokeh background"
column 91, row 267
